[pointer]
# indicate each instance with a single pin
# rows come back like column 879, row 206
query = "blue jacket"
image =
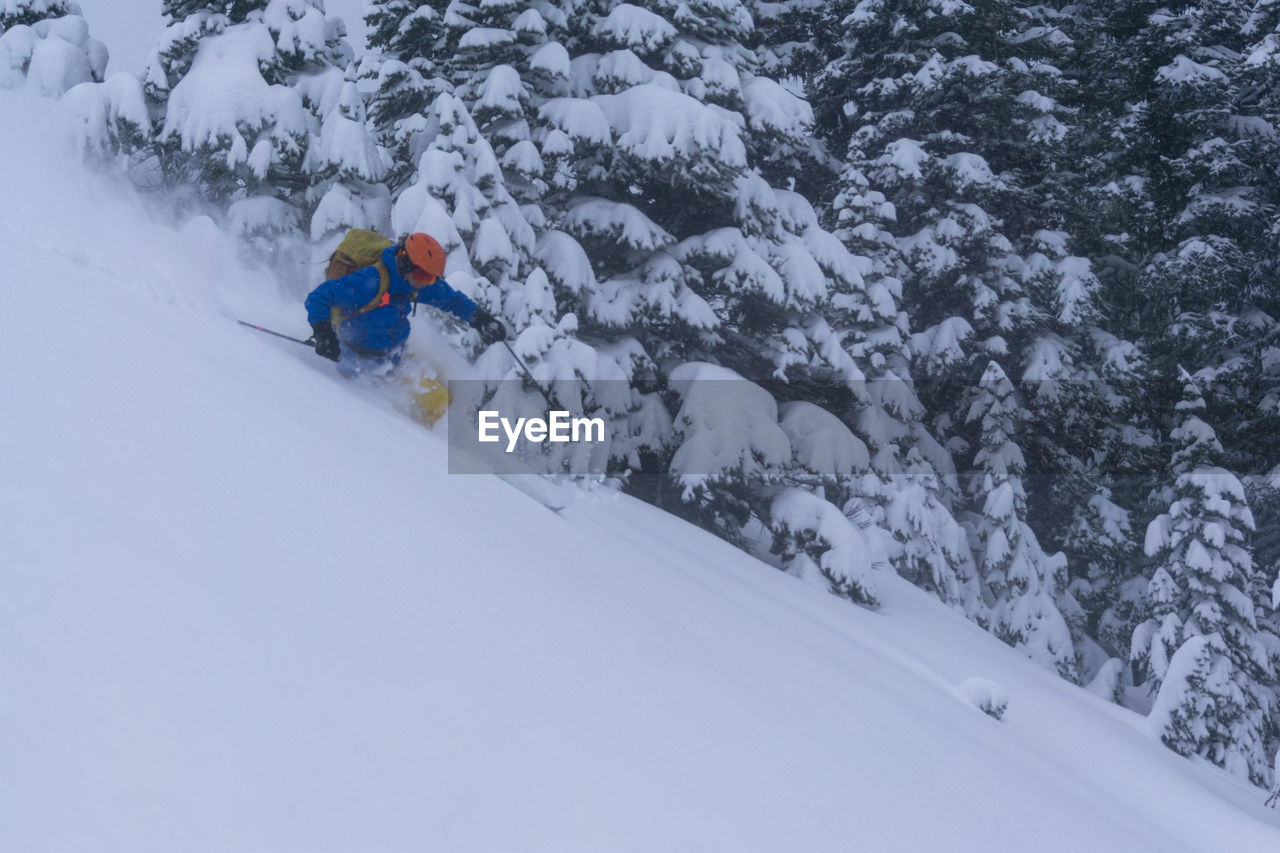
column 387, row 326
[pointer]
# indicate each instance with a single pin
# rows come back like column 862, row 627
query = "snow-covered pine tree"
column 1103, row 448
column 246, row 156
column 931, row 547
column 896, row 512
column 1263, row 496
column 405, row 42
column 505, row 60
column 1022, row 579
column 1176, row 210
column 911, row 498
column 792, row 42
column 500, row 61
column 109, row 125
column 918, row 483
column 945, row 129
column 1185, row 201
column 454, row 186
column 15, row 13
column 679, row 147
column 954, row 120
column 727, row 452
column 458, row 194
column 458, row 88
column 45, row 47
column 189, row 25
column 1201, row 651
column 917, row 476
column 345, row 167
column 820, row 544
column 1260, row 82
column 1108, row 595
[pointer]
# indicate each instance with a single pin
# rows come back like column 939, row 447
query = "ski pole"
column 547, row 394
column 308, row 342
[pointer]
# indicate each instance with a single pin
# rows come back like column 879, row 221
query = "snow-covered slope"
column 243, row 607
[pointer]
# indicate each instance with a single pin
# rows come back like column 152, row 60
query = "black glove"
column 490, row 327
column 326, row 340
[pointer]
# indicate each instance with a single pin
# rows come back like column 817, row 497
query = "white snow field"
column 244, row 608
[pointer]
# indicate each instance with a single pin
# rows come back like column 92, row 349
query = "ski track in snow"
column 242, row 606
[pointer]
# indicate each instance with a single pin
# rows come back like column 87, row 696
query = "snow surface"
column 243, row 607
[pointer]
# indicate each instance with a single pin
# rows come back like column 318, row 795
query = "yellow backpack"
column 360, row 248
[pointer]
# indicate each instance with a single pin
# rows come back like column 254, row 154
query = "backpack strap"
column 383, row 297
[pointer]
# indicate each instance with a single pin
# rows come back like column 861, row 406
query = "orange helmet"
column 426, row 254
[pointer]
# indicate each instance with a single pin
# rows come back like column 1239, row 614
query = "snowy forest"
column 1000, row 279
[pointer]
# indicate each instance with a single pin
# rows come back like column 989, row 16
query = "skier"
column 361, row 320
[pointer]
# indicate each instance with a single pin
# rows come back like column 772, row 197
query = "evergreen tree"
column 1177, row 213
column 458, row 195
column 1261, row 92
column 913, row 498
column 678, row 147
column 819, row 543
column 712, row 254
column 1021, row 578
column 405, row 39
column 345, row 167
column 931, row 547
column 247, row 156
column 954, row 122
column 1263, row 493
column 447, row 105
column 1108, row 597
column 1184, row 198
column 1202, row 650
column 505, row 60
column 109, row 124
column 15, row 13
column 500, row 59
column 640, row 144
column 951, row 120
column 458, row 89
column 45, row 47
